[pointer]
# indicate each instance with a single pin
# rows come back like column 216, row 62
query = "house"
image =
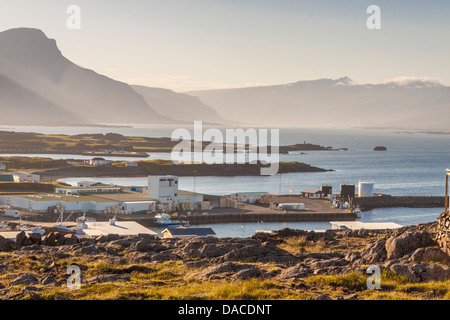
column 312, row 194
column 98, row 161
column 183, row 232
column 2, row 166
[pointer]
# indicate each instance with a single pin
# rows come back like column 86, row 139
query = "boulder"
column 22, row 239
column 421, row 272
column 46, row 280
column 375, row 252
column 5, row 244
column 433, row 253
column 407, row 242
column 50, row 239
column 296, row 272
column 35, row 238
column 70, row 239
column 26, row 279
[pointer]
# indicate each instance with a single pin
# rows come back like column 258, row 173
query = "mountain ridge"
column 41, row 86
column 403, row 103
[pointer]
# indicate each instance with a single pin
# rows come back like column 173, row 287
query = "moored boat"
column 165, row 220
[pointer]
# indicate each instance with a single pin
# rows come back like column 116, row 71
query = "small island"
column 380, row 148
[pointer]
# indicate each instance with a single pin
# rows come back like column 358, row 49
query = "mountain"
column 38, row 85
column 179, row 106
column 404, row 103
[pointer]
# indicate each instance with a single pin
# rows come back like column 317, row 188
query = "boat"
column 165, row 220
column 78, row 229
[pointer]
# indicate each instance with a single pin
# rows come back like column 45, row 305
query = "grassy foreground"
column 176, row 279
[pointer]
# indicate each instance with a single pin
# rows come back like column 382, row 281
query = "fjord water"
column 414, row 164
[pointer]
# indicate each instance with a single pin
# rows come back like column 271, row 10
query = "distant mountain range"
column 404, row 103
column 38, row 85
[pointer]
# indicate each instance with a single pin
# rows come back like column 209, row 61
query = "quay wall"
column 385, row 201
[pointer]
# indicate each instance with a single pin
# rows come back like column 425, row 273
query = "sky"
column 187, row 45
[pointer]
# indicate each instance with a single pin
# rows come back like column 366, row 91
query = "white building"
column 164, row 189
column 139, row 206
column 97, row 161
column 25, row 177
column 91, row 189
column 122, row 228
column 43, row 202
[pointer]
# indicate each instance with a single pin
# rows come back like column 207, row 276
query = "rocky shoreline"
column 35, row 267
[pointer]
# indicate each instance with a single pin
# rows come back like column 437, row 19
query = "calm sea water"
column 413, row 165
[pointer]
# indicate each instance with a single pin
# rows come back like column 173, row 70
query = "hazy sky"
column 200, row 44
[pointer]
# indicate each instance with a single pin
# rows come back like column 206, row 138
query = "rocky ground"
column 288, row 264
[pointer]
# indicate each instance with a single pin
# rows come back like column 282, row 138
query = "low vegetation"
column 301, row 266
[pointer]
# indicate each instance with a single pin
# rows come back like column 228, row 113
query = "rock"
column 5, row 244
column 46, row 280
column 353, row 256
column 429, row 254
column 35, row 238
column 322, row 297
column 248, row 273
column 70, row 239
column 108, row 278
column 50, row 239
column 398, row 246
column 24, row 279
column 160, row 257
column 195, row 263
column 22, row 239
column 380, row 148
column 136, row 268
column 61, row 255
column 112, row 237
column 334, row 262
column 418, row 272
column 88, row 250
column 296, row 272
column 223, row 268
column 375, row 252
column 146, row 245
column 101, row 239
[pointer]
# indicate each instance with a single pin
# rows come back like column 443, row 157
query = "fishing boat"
column 165, row 220
column 78, row 229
